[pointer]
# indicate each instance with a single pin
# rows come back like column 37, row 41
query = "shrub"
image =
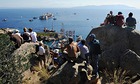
column 10, row 69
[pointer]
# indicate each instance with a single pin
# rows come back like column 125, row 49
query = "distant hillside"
column 105, row 7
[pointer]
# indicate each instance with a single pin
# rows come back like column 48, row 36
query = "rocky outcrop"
column 6, row 30
column 25, row 49
column 68, row 73
column 120, row 48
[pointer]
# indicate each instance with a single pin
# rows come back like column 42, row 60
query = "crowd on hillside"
column 119, row 20
column 66, row 50
column 70, row 50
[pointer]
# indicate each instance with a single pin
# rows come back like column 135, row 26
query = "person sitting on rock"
column 119, row 19
column 131, row 21
column 26, row 35
column 105, row 21
column 111, row 18
column 18, row 40
column 17, row 32
column 72, row 50
column 55, row 55
column 33, row 35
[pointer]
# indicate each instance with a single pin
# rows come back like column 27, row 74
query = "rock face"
column 25, row 49
column 68, row 73
column 120, row 48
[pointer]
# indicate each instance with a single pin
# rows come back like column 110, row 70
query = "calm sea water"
column 82, row 21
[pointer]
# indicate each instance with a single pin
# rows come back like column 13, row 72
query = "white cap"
column 56, row 51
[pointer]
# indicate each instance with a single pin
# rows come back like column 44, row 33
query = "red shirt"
column 119, row 20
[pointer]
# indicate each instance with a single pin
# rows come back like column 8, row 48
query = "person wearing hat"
column 131, row 21
column 119, row 19
column 78, row 40
column 41, row 55
column 18, row 40
column 94, row 51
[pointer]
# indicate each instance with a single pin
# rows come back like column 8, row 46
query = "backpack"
column 26, row 36
column 96, row 47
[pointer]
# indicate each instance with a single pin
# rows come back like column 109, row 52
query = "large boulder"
column 130, row 61
column 120, row 48
column 68, row 73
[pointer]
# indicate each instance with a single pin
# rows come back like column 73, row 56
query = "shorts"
column 41, row 57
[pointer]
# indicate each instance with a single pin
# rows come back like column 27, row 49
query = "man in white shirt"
column 33, row 35
column 84, row 50
column 41, row 55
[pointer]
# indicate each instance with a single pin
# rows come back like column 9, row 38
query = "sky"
column 63, row 3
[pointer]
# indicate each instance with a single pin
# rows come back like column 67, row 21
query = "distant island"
column 105, row 7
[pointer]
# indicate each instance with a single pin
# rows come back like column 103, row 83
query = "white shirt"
column 84, row 50
column 33, row 36
column 41, row 51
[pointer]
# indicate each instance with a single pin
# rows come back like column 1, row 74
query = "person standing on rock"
column 41, row 55
column 94, row 51
column 84, row 51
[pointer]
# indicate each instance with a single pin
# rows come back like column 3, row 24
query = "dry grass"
column 118, row 76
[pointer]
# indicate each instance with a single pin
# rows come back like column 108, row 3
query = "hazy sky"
column 63, row 3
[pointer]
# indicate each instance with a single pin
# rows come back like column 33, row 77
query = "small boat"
column 35, row 17
column 74, row 13
column 4, row 20
column 54, row 19
column 30, row 20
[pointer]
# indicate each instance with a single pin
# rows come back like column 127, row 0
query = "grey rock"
column 120, row 48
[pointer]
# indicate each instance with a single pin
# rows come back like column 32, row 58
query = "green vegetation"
column 10, row 66
column 49, row 34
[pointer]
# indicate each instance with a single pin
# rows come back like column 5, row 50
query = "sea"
column 82, row 21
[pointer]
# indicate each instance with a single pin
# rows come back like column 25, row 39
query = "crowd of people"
column 88, row 52
column 68, row 50
column 119, row 20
